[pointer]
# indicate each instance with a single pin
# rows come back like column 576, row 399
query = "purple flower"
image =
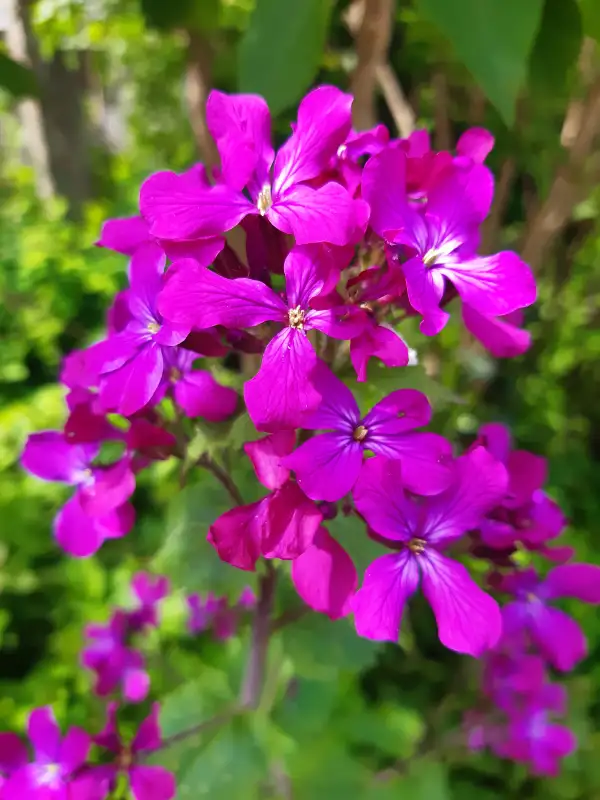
column 281, row 525
column 131, row 363
column 146, row 782
column 468, row 619
column 13, row 756
column 328, row 465
column 196, row 392
column 56, row 760
column 127, row 234
column 240, row 124
column 98, row 510
column 216, row 613
column 558, row 637
column 441, row 242
column 379, row 341
column 500, row 335
column 149, row 591
column 281, row 392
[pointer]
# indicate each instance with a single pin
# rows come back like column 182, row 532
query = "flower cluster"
column 346, row 233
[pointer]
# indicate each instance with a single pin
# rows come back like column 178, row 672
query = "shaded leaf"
column 493, row 38
column 17, row 79
column 556, row 46
column 282, row 49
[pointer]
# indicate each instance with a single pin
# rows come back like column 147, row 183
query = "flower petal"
column 236, row 535
column 124, row 234
column 112, row 486
column 426, row 458
column 425, row 288
column 399, row 412
column 282, row 394
column 204, row 250
column 13, row 753
column 378, row 605
column 148, row 736
column 200, row 297
column 379, row 497
column 290, row 523
column 44, row 735
column 338, row 408
column 74, row 749
column 384, row 188
column 266, row 455
column 497, row 334
column 558, row 636
column 326, row 466
column 49, row 456
column 327, row 214
column 129, row 388
column 476, row 144
column 325, row 576
column 577, row 581
column 199, row 395
column 377, row 341
column 152, row 783
column 306, row 272
column 468, row 619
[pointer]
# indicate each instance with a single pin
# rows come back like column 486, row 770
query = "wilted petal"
column 493, row 285
column 44, row 734
column 327, row 214
column 480, row 483
column 129, row 388
column 577, row 581
column 198, row 296
column 236, row 535
column 558, row 636
column 290, row 523
column 497, row 334
column 151, row 783
column 124, row 235
column 282, row 394
column 327, row 466
column 325, row 576
column 324, row 122
column 379, row 497
column 380, row 342
column 378, row 605
column 266, row 456
column 177, row 208
column 199, row 395
column 384, row 189
column 468, row 619
column 49, row 456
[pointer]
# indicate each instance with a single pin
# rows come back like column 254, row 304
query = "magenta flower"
column 13, row 756
column 56, row 761
column 176, row 210
column 377, row 341
column 281, row 525
column 558, row 637
column 149, row 591
column 131, row 363
column 328, row 465
column 127, row 234
column 216, row 613
column 468, row 619
column 281, row 393
column 147, row 782
column 81, row 535
column 441, row 242
column 195, row 391
column 500, row 335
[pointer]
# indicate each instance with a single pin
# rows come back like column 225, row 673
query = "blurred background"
column 97, row 94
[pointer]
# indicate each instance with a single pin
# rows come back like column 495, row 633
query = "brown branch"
column 198, row 79
column 493, row 223
column 571, row 183
column 371, row 23
column 441, row 111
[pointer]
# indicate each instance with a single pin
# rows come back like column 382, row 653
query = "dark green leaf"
column 590, row 14
column 200, row 15
column 306, row 707
column 557, row 45
column 281, row 50
column 186, row 557
column 494, row 39
column 17, row 79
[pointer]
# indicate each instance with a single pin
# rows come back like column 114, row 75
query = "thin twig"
column 441, row 110
column 223, row 477
column 252, row 686
column 214, row 722
column 198, row 80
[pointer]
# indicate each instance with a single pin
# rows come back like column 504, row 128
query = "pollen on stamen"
column 417, row 546
column 430, row 257
column 153, row 327
column 296, row 318
column 175, row 375
column 360, row 433
column 265, row 200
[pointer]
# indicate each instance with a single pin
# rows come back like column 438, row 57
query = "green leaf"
column 195, row 701
column 186, row 557
column 556, row 46
column 17, row 79
column 281, row 51
column 306, row 707
column 590, row 17
column 493, row 38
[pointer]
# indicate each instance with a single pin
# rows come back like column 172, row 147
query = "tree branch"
column 198, row 81
column 252, row 686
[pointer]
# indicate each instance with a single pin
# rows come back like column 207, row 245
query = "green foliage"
column 282, row 49
column 17, row 79
column 493, row 38
column 556, row 46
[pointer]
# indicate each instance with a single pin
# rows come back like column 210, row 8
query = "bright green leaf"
column 18, row 80
column 557, row 46
column 494, row 39
column 590, row 14
column 281, row 51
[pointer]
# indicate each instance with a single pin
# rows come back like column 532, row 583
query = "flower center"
column 174, row 375
column 153, row 327
column 430, row 257
column 296, row 318
column 125, row 759
column 48, row 775
column 265, row 200
column 359, row 434
column 417, row 546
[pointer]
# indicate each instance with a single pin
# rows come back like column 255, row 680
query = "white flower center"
column 296, row 318
column 265, row 200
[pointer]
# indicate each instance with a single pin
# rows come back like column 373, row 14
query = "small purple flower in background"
column 441, row 243
column 328, row 465
column 56, row 760
column 558, row 637
column 468, row 619
column 212, row 612
column 240, row 126
column 281, row 393
column 149, row 591
column 131, row 363
column 147, row 782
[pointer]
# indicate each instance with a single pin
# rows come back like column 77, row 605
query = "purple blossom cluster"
column 346, row 233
